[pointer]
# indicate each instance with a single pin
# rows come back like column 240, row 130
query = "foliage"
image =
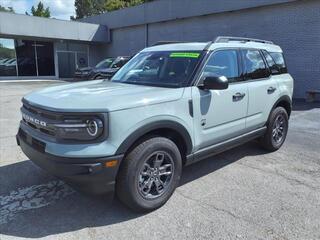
column 6, row 52
column 40, row 11
column 4, row 9
column 86, row 8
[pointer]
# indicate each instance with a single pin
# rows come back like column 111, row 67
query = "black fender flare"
column 163, row 124
column 284, row 98
column 95, row 77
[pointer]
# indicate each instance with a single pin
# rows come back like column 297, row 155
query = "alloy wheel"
column 155, row 175
column 279, row 129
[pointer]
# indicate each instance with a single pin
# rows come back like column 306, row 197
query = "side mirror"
column 214, row 82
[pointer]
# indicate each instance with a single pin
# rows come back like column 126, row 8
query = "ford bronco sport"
column 171, row 105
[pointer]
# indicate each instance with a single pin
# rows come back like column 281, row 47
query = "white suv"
column 171, row 105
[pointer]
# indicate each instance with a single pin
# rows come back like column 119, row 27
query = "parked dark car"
column 103, row 70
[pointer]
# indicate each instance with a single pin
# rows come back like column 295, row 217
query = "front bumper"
column 89, row 175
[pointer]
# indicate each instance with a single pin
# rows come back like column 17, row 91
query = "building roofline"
column 160, row 11
column 20, row 25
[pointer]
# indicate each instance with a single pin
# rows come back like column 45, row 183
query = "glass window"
column 26, row 58
column 160, row 68
column 67, row 64
column 45, row 58
column 8, row 62
column 255, row 67
column 82, row 60
column 223, row 63
column 279, row 59
column 105, row 63
column 119, row 62
column 271, row 63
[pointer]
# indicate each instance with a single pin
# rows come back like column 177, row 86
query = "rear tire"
column 277, row 129
column 149, row 174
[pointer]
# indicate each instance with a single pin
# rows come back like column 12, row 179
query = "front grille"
column 55, row 126
column 42, row 116
column 40, row 112
column 41, row 129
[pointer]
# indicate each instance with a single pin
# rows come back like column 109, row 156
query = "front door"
column 66, row 64
column 69, row 61
column 220, row 114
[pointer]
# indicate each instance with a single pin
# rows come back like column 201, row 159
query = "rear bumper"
column 89, row 175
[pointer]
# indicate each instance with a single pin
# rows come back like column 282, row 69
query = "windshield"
column 118, row 62
column 164, row 69
column 105, row 63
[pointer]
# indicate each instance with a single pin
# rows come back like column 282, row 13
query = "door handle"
column 238, row 96
column 271, row 90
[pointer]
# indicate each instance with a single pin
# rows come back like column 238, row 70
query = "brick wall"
column 294, row 25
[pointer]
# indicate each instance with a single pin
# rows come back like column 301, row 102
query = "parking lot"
column 245, row 193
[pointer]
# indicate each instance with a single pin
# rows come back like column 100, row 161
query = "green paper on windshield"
column 184, row 55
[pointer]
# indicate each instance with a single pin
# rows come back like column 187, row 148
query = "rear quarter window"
column 279, row 59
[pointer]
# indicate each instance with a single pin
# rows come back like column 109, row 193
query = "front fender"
column 154, row 123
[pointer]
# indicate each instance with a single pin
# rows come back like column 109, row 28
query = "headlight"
column 93, row 127
column 80, row 129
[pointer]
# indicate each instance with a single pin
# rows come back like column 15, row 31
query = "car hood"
column 100, row 96
column 109, row 70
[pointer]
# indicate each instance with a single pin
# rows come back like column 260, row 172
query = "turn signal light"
column 111, row 163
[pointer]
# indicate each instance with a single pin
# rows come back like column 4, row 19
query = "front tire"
column 149, row 174
column 277, row 129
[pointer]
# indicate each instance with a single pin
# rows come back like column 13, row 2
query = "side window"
column 274, row 68
column 279, row 59
column 120, row 63
column 254, row 65
column 223, row 63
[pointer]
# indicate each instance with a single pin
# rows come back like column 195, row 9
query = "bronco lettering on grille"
column 33, row 120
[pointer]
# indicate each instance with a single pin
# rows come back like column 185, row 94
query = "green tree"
column 86, row 8
column 112, row 5
column 4, row 9
column 40, row 11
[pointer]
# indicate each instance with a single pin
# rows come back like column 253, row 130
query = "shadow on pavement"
column 34, row 205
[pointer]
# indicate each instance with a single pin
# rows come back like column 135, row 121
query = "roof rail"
column 224, row 39
column 166, row 42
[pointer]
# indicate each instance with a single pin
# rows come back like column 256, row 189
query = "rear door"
column 220, row 114
column 262, row 87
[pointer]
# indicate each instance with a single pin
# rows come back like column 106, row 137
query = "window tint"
column 255, row 67
column 26, row 58
column 223, row 63
column 274, row 68
column 8, row 61
column 105, row 63
column 159, row 68
column 45, row 58
column 278, row 58
column 118, row 63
